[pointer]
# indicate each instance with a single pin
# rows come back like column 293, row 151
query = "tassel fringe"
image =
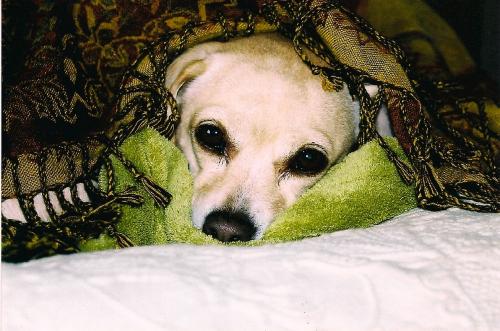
column 159, row 194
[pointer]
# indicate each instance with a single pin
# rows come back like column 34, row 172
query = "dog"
column 257, row 129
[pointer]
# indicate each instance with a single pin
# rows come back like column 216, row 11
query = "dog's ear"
column 187, row 67
column 180, row 74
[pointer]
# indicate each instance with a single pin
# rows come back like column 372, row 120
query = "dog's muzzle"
column 229, row 226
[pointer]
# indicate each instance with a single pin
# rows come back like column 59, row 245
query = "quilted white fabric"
column 419, row 271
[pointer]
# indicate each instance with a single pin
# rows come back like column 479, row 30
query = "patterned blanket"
column 81, row 76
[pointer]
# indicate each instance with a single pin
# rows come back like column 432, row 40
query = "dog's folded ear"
column 182, row 74
column 188, row 66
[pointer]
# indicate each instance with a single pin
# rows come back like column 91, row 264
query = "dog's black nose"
column 228, row 226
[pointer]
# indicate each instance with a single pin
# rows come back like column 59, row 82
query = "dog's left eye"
column 211, row 137
column 308, row 161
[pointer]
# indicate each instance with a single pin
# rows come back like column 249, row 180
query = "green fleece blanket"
column 362, row 190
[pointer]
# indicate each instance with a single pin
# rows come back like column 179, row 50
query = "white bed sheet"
column 419, row 271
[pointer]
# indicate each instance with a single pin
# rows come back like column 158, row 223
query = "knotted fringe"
column 79, row 221
column 159, row 194
column 110, row 176
column 430, row 192
column 122, row 240
column 483, row 126
column 25, row 241
column 128, row 198
column 369, row 110
column 125, row 197
column 404, row 170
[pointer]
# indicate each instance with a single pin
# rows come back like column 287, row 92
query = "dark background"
column 477, row 22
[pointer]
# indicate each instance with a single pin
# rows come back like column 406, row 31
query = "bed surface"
column 419, row 271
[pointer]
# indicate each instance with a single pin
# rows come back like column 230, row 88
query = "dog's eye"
column 211, row 137
column 308, row 161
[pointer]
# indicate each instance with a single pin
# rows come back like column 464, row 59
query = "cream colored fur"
column 270, row 106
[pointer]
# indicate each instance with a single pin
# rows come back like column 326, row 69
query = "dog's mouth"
column 229, row 226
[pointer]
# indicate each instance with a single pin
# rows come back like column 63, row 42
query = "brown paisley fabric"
column 88, row 74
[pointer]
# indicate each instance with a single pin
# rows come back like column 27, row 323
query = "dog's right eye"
column 211, row 137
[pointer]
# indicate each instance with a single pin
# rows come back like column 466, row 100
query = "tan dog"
column 257, row 129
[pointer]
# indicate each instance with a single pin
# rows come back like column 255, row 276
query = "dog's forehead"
column 264, row 93
column 269, row 107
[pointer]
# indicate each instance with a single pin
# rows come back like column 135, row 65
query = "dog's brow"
column 326, row 141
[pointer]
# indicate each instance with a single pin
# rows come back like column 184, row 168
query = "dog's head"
column 257, row 129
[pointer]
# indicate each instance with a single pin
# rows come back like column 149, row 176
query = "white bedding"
column 420, row 271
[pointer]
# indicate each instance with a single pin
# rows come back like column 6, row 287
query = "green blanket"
column 362, row 190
